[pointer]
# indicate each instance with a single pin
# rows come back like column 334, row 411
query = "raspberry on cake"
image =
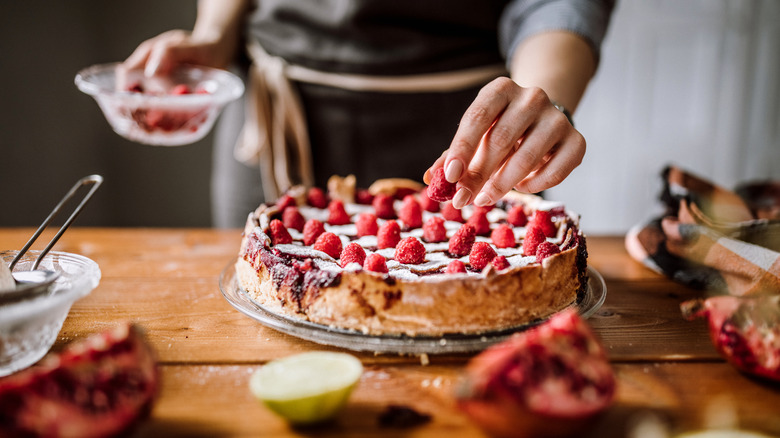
column 353, row 269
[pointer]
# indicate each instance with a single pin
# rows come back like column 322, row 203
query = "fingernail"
column 453, row 171
column 482, row 199
column 461, row 198
column 427, row 177
column 151, row 68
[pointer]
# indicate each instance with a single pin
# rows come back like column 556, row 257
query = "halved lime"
column 307, row 387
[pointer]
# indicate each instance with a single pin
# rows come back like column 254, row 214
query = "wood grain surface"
column 166, row 280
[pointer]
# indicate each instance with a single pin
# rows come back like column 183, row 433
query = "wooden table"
column 166, row 280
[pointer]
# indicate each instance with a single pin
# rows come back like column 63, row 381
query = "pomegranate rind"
column 548, row 381
column 95, row 388
column 744, row 330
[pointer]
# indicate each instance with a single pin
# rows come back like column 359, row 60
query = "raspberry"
column 427, row 203
column 451, row 213
column 375, row 263
column 311, row 231
column 500, row 263
column 292, row 218
column 181, row 89
column 278, row 232
column 542, row 219
column 546, row 249
column 503, row 236
column 286, row 201
column 363, row 196
column 317, row 198
column 462, row 240
column 516, row 216
column 440, row 189
column 410, row 212
column 337, row 214
column 410, row 251
column 383, row 206
column 434, row 231
column 456, row 267
column 352, row 253
column 481, row 254
column 366, row 225
column 533, row 237
column 329, row 243
column 389, row 235
column 480, row 222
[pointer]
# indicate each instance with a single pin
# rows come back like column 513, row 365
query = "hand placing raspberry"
column 481, row 254
column 278, row 233
column 440, row 189
column 410, row 251
column 329, row 243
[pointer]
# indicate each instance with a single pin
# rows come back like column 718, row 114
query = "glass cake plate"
column 587, row 304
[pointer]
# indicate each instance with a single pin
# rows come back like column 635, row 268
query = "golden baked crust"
column 302, row 283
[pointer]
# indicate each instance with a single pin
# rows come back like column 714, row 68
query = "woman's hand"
column 509, row 137
column 161, row 54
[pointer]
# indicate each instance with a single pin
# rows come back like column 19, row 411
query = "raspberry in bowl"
column 173, row 110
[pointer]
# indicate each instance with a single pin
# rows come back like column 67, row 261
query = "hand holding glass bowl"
column 171, row 110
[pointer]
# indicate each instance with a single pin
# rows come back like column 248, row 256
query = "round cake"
column 390, row 260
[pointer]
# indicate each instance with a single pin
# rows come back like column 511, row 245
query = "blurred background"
column 692, row 83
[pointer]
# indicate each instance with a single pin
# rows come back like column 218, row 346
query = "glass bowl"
column 174, row 110
column 29, row 328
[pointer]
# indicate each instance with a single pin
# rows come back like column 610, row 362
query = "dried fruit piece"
column 434, row 230
column 329, row 243
column 352, row 253
column 481, row 255
column 547, row 381
column 307, row 387
column 278, row 233
column 745, row 330
column 410, row 212
column 95, row 388
column 366, row 225
column 410, row 251
column 375, row 263
column 389, row 235
column 440, row 189
column 462, row 240
column 312, row 230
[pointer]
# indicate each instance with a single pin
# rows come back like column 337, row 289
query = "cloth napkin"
column 709, row 237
